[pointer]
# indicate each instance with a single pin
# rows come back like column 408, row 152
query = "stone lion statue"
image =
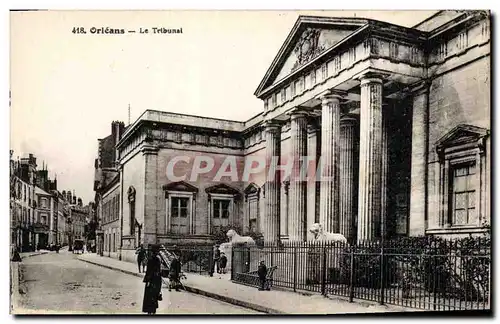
column 234, row 238
column 321, row 236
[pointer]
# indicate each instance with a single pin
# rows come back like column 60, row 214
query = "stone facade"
column 399, row 118
column 111, row 220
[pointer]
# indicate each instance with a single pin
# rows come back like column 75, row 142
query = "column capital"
column 418, row 87
column 349, row 119
column 331, row 95
column 272, row 125
column 298, row 112
column 371, row 76
column 150, row 149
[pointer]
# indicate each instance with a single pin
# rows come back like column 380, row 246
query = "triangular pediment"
column 461, row 134
column 252, row 188
column 180, row 186
column 222, row 189
column 309, row 38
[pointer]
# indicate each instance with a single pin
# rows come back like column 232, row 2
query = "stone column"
column 370, row 157
column 298, row 184
column 273, row 182
column 151, row 206
column 330, row 155
column 348, row 175
column 384, row 173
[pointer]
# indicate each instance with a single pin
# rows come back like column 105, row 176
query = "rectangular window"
column 221, row 208
column 179, row 213
column 179, row 207
column 463, row 195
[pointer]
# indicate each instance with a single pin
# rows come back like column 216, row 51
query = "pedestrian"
column 215, row 260
column 262, row 273
column 152, row 290
column 141, row 258
column 223, row 262
column 174, row 273
column 16, row 257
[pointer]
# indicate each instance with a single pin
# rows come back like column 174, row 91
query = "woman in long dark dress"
column 152, row 291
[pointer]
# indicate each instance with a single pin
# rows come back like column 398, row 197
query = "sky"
column 67, row 88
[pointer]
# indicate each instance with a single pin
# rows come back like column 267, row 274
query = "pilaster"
column 151, row 204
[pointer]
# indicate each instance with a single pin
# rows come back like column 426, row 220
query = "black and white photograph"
column 250, row 162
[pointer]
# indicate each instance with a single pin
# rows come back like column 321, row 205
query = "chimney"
column 116, row 132
column 80, row 202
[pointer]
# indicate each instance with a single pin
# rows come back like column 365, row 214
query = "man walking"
column 262, row 273
column 174, row 273
column 141, row 258
column 215, row 261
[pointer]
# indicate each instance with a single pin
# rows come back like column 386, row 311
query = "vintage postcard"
column 250, row 162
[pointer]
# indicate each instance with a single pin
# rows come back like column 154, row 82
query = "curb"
column 15, row 294
column 33, row 255
column 202, row 292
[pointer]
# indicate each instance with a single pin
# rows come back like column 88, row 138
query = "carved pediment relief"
column 462, row 135
column 180, row 186
column 309, row 45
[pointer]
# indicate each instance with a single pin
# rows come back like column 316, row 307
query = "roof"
column 350, row 27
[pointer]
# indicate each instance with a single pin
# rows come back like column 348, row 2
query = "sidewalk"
column 271, row 302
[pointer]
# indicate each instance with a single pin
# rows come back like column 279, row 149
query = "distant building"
column 23, row 202
column 107, row 193
column 47, row 200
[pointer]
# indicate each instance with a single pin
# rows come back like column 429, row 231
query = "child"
column 262, row 272
column 223, row 262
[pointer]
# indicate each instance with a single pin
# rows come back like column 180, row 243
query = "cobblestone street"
column 61, row 283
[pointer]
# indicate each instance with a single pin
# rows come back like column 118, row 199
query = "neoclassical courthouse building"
column 400, row 116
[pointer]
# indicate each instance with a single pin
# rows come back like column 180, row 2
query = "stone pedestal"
column 273, row 182
column 298, row 184
column 370, row 158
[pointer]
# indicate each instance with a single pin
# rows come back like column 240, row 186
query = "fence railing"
column 427, row 273
column 194, row 258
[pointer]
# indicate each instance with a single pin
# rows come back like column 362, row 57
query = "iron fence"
column 428, row 273
column 194, row 258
